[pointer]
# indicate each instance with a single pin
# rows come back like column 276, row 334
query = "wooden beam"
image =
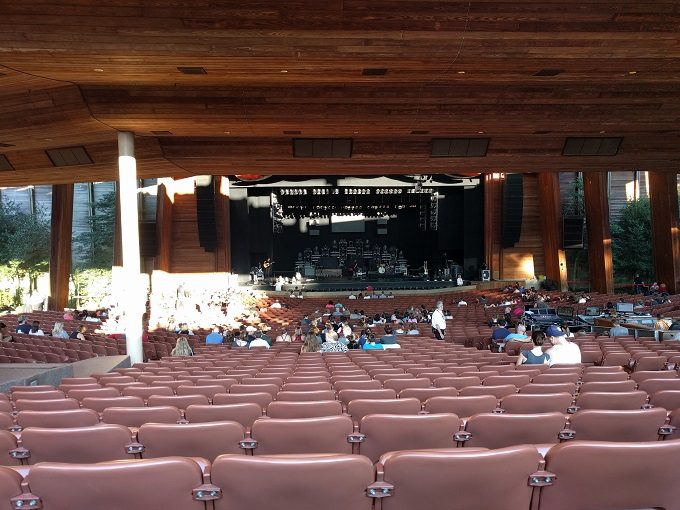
column 599, row 236
column 493, row 216
column 60, row 245
column 551, row 226
column 663, row 196
column 164, row 214
column 222, row 225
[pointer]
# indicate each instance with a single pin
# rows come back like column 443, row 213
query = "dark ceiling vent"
column 459, row 147
column 420, row 132
column 69, row 156
column 322, row 147
column 191, row 70
column 592, row 146
column 292, row 132
column 161, row 133
column 5, row 165
column 6, row 144
column 548, row 72
column 542, row 132
column 374, row 71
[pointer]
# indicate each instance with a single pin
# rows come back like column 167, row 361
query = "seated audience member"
column 462, row 302
column 238, row 340
column 35, row 329
column 382, row 295
column 298, row 335
column 183, row 329
column 284, row 336
column 68, row 316
column 500, row 333
column 399, row 330
column 372, row 343
column 339, row 312
column 352, row 296
column 258, row 341
column 275, row 304
column 520, row 334
column 388, row 337
column 345, row 328
column 333, row 346
column 4, row 334
column 330, row 306
column 413, row 329
column 563, row 352
column 79, row 334
column 262, row 333
column 617, row 329
column 355, row 315
column 92, row 317
column 23, row 326
column 311, row 344
column 182, row 347
column 535, row 356
column 216, row 337
column 661, row 323
column 58, row 330
column 329, row 334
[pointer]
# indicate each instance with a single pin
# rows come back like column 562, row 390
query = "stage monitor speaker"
column 486, row 275
column 513, row 205
column 573, row 228
column 205, row 212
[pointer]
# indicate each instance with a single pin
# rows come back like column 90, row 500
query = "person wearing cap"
column 563, row 352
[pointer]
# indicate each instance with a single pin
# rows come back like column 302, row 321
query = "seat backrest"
column 37, row 395
column 261, row 399
column 423, row 394
column 166, row 483
column 304, row 409
column 517, row 380
column 10, row 484
column 604, row 376
column 608, row 386
column 540, row 388
column 540, row 403
column 612, row 400
column 306, row 386
column 612, row 475
column 80, row 394
column 8, row 442
column 357, row 385
column 340, row 482
column 138, row 416
column 456, row 382
column 272, row 389
column 651, row 386
column 302, row 396
column 345, row 396
column 401, row 384
column 326, row 434
column 146, row 391
column 77, row 445
column 497, row 391
column 553, row 378
column 491, row 430
column 616, row 425
column 244, row 413
column 434, row 479
column 206, row 390
column 361, row 407
column 668, row 399
column 461, row 406
column 58, row 419
column 59, row 404
column 388, row 432
column 178, row 401
column 206, row 440
column 99, row 404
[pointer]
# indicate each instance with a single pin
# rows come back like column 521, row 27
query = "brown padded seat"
column 608, row 425
column 450, row 479
column 10, row 484
column 498, row 391
column 99, row 404
column 388, row 432
column 339, row 482
column 147, row 391
column 206, row 440
column 401, row 384
column 76, row 445
column 327, row 434
column 304, row 409
column 361, row 407
column 58, row 404
column 608, row 386
column 78, row 380
column 613, row 475
column 456, row 382
column 33, row 389
column 6, row 406
column 604, row 376
column 345, row 396
column 491, row 430
column 272, row 389
column 306, row 386
column 540, row 388
column 302, row 396
column 178, row 401
column 552, row 378
column 138, row 416
column 461, row 406
column 423, row 394
column 518, row 380
column 546, row 403
column 8, row 442
column 58, row 419
column 208, row 390
column 612, row 400
column 244, row 413
column 80, row 394
column 166, row 483
column 37, row 395
column 278, row 381
column 668, row 399
column 651, row 386
column 261, row 399
column 6, row 421
column 357, row 385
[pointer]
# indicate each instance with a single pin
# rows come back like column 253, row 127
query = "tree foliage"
column 95, row 245
column 631, row 240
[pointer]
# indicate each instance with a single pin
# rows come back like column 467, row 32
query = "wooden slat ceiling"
column 76, row 71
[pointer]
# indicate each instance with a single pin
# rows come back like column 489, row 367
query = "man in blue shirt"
column 499, row 334
column 215, row 337
column 24, row 327
column 388, row 337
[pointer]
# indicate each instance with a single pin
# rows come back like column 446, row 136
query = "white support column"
column 133, row 304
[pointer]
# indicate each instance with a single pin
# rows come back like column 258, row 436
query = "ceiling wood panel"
column 76, row 71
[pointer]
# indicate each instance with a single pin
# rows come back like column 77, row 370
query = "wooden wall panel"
column 60, row 245
column 550, row 215
column 164, row 219
column 665, row 229
column 599, row 236
column 493, row 218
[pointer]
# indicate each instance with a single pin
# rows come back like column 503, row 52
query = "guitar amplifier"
column 486, row 275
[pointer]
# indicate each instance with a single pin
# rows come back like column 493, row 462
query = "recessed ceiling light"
column 461, row 72
column 356, row 132
column 632, row 72
column 227, row 132
column 284, row 71
column 602, row 132
column 98, row 70
column 480, row 132
column 48, row 139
